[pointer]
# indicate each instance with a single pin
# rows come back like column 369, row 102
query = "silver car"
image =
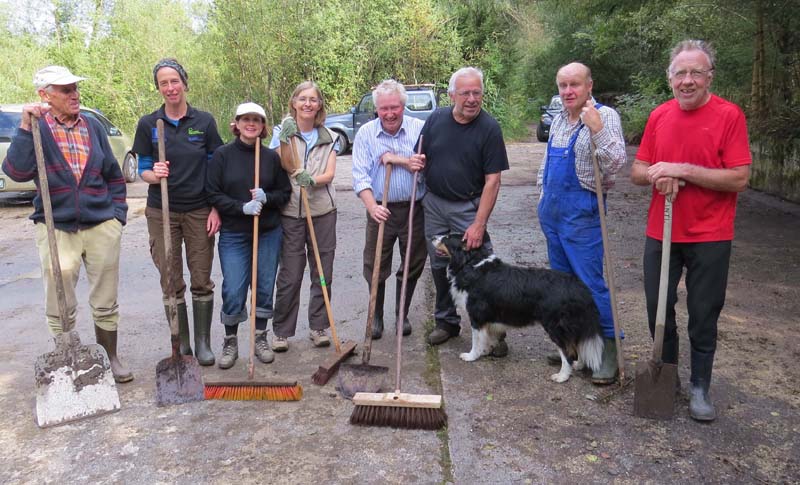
column 10, row 115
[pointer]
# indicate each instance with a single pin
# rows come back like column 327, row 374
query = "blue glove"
column 288, row 128
column 252, row 208
column 259, row 195
column 304, row 179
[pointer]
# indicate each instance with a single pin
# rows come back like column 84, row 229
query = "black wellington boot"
column 108, row 340
column 203, row 311
column 700, row 406
column 183, row 328
column 410, row 285
column 377, row 324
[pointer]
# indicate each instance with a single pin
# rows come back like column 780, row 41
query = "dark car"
column 548, row 113
column 423, row 99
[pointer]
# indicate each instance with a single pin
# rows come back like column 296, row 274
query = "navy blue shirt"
column 189, row 146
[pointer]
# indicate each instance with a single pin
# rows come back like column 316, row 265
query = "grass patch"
column 433, row 378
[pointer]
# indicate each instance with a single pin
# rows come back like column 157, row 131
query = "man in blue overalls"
column 568, row 210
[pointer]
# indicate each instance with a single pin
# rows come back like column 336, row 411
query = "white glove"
column 252, row 208
column 259, row 195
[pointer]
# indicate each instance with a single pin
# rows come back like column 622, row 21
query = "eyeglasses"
column 696, row 74
column 305, row 100
column 467, row 94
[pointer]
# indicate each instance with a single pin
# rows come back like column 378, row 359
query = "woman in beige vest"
column 316, row 155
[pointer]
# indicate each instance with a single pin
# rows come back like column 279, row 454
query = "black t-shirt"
column 188, row 147
column 459, row 156
column 231, row 175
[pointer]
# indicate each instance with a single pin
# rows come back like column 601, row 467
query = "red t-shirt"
column 713, row 136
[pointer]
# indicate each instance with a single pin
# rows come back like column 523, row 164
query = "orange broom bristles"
column 254, row 391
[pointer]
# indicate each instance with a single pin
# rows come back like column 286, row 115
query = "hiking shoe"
column 439, row 336
column 230, row 352
column 280, row 344
column 320, row 338
column 263, row 352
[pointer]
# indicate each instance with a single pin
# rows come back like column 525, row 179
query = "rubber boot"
column 108, row 340
column 608, row 371
column 700, row 406
column 377, row 323
column 410, row 285
column 183, row 328
column 230, row 352
column 203, row 311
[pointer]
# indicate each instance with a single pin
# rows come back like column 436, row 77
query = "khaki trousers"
column 98, row 249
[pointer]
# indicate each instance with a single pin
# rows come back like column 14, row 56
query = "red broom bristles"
column 254, row 392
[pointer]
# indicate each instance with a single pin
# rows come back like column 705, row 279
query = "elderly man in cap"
column 87, row 191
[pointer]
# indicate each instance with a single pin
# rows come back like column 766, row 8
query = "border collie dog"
column 497, row 295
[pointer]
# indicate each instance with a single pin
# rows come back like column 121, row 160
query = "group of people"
column 695, row 144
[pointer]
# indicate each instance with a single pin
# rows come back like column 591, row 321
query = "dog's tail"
column 590, row 351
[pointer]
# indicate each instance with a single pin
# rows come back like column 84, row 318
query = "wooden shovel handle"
column 663, row 283
column 166, row 230
column 376, row 270
column 44, row 191
column 609, row 263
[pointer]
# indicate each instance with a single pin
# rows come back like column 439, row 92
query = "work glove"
column 288, row 128
column 259, row 195
column 303, row 178
column 252, row 208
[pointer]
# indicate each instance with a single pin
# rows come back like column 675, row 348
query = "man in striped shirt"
column 390, row 139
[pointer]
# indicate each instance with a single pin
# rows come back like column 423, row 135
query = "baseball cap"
column 54, row 75
column 250, row 108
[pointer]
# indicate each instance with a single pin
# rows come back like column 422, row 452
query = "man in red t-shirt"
column 696, row 144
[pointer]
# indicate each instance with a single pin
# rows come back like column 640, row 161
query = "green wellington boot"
column 203, row 311
column 183, row 327
column 700, row 406
column 108, row 340
column 608, row 371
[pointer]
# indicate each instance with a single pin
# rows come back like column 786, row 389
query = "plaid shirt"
column 73, row 141
column 610, row 145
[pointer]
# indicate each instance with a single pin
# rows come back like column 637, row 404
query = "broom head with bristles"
column 254, row 391
column 399, row 410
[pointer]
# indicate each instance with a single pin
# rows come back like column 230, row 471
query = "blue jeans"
column 235, row 257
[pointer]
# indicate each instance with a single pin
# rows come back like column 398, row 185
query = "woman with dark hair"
column 316, row 157
column 231, row 173
column 190, row 138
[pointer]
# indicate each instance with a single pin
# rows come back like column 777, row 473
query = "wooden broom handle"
column 598, row 181
column 376, row 270
column 254, row 270
column 44, row 191
column 310, row 222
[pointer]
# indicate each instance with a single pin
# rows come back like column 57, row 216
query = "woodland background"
column 236, row 50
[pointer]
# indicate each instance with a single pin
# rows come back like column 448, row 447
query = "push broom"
column 251, row 390
column 398, row 409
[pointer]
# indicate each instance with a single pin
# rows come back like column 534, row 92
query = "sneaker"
column 280, row 344
column 263, row 351
column 320, row 338
column 230, row 352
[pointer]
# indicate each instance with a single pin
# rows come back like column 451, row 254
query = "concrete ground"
column 507, row 422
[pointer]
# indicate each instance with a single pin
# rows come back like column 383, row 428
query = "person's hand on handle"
column 37, row 110
column 259, row 195
column 252, row 208
column 288, row 128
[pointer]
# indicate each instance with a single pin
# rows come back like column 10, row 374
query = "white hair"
column 389, row 86
column 464, row 71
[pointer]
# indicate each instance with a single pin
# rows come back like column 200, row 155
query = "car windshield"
column 419, row 102
column 9, row 122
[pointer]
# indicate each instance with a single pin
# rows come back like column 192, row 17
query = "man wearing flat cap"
column 87, row 192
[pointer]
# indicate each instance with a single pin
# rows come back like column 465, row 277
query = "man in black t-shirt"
column 465, row 154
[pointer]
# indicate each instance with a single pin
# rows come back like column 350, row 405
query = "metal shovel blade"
column 73, row 382
column 654, row 391
column 179, row 380
column 355, row 378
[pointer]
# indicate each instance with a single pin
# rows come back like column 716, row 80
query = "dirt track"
column 508, row 423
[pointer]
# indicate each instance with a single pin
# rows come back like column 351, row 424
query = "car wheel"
column 540, row 135
column 129, row 167
column 343, row 146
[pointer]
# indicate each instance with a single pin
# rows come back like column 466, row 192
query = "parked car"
column 121, row 144
column 548, row 113
column 423, row 99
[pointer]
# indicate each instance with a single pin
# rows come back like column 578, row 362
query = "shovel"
column 654, row 391
column 364, row 377
column 178, row 377
column 74, row 381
